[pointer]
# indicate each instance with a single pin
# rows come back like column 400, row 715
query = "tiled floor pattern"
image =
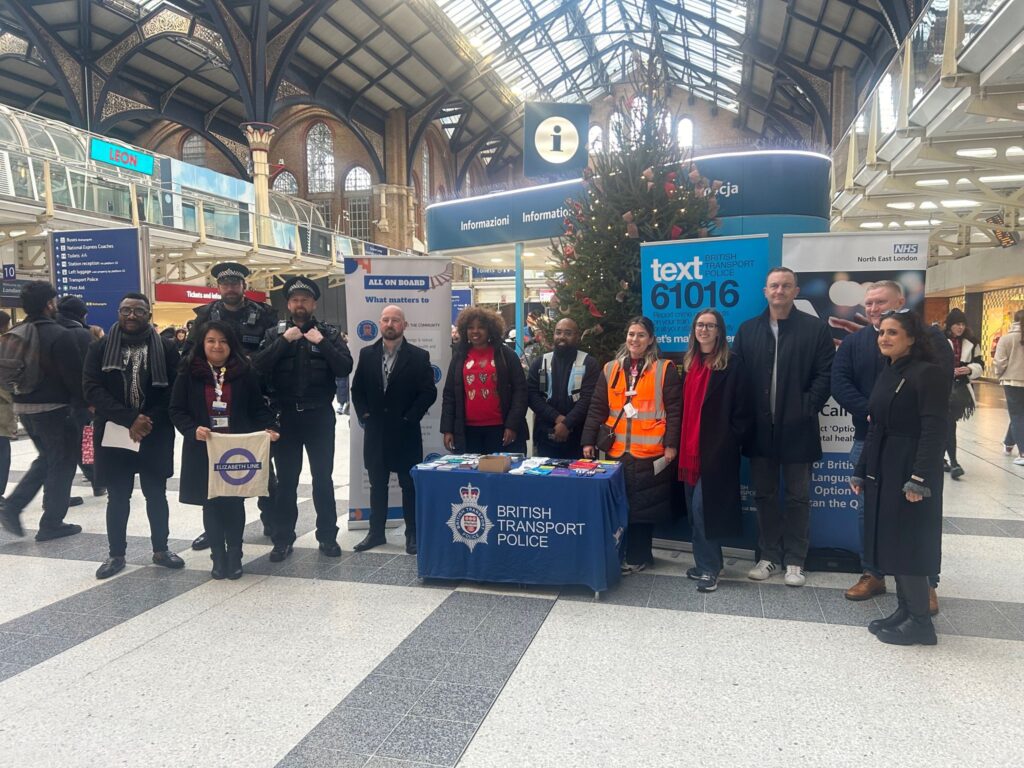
column 425, row 700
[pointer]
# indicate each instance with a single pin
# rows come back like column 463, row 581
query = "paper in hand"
column 116, row 436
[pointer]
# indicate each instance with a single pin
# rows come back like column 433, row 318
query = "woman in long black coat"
column 715, row 421
column 217, row 370
column 900, row 472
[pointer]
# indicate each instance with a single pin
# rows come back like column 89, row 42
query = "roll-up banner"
column 834, row 271
column 422, row 287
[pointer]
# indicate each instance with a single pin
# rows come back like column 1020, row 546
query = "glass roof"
column 574, row 51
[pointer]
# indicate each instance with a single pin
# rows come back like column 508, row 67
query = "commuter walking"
column 8, row 421
column 48, row 412
column 71, row 314
column 127, row 380
column 968, row 365
column 1009, row 368
column 786, row 356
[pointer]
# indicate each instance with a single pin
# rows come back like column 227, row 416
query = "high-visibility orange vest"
column 643, row 436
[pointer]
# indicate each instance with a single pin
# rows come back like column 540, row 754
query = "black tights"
column 912, row 593
column 224, row 520
column 639, row 546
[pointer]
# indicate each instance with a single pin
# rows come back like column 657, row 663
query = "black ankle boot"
column 913, row 630
column 234, row 567
column 896, row 617
column 220, row 563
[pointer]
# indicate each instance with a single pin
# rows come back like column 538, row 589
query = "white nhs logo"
column 902, row 248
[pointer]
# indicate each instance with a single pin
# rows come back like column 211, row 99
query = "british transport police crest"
column 469, row 522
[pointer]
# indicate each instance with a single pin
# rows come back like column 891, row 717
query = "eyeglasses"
column 891, row 312
column 129, row 311
column 706, row 326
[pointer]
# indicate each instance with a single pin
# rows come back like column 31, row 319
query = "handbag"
column 606, row 434
column 88, row 456
column 961, row 400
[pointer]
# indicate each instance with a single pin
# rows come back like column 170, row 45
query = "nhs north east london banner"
column 422, row 287
column 681, row 277
column 835, row 271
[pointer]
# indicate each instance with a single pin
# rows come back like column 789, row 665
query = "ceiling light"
column 529, row 253
column 959, row 204
column 871, row 225
column 982, row 152
column 927, row 206
column 918, row 223
column 998, row 179
column 495, row 261
column 1015, row 152
column 931, row 183
column 901, row 206
column 894, row 225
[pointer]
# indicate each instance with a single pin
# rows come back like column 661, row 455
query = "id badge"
column 219, row 405
column 630, row 393
column 630, row 410
column 220, row 422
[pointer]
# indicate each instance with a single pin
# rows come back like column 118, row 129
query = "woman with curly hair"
column 483, row 406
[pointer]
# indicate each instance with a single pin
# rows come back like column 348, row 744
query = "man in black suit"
column 392, row 389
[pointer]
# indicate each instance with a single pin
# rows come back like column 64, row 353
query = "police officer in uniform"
column 559, row 386
column 251, row 321
column 302, row 358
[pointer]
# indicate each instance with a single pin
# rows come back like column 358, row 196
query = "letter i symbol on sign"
column 556, row 139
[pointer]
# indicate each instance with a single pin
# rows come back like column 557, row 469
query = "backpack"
column 20, row 371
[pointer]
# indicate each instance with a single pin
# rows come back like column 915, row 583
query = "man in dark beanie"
column 127, row 378
column 71, row 312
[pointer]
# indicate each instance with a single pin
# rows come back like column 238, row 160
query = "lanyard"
column 218, row 382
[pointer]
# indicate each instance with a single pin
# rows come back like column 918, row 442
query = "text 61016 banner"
column 682, row 277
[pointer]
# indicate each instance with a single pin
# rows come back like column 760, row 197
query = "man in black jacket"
column 787, row 357
column 127, row 379
column 48, row 414
column 251, row 321
column 71, row 312
column 392, row 389
column 559, row 387
column 302, row 358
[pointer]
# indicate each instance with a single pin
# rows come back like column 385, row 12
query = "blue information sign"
column 555, row 138
column 681, row 277
column 10, row 271
column 100, row 266
column 536, row 213
column 461, row 298
column 372, row 249
column 114, row 154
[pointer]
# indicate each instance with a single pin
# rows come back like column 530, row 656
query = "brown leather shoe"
column 933, row 601
column 866, row 588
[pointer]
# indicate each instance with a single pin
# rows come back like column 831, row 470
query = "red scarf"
column 694, row 389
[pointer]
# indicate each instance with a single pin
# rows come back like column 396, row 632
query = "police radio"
column 282, row 326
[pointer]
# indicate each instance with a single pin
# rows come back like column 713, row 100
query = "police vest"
column 251, row 329
column 643, row 436
column 575, row 382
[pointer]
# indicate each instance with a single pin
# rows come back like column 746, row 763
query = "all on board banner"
column 422, row 287
column 682, row 277
column 100, row 266
column 834, row 271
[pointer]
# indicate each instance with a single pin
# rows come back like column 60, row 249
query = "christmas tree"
column 641, row 188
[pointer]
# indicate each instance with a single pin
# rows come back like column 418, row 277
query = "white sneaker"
column 1019, row 461
column 763, row 570
column 794, row 576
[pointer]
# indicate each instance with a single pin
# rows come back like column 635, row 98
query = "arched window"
column 193, row 150
column 357, row 202
column 616, row 131
column 595, row 139
column 684, row 133
column 319, row 159
column 286, row 183
column 637, row 115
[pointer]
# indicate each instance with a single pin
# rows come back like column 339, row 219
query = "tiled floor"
column 355, row 662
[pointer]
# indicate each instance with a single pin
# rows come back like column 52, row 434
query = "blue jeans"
column 706, row 554
column 855, row 452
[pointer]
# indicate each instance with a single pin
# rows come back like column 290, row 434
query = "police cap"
column 230, row 270
column 302, row 284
